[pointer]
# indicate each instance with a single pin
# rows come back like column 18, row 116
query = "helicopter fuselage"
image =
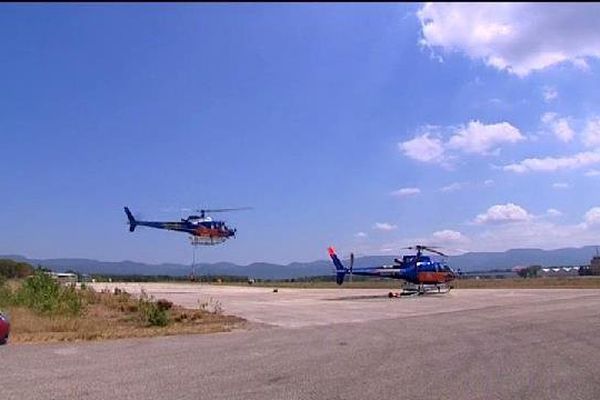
column 203, row 227
column 427, row 273
column 419, row 270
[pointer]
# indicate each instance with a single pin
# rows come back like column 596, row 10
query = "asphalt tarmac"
column 337, row 344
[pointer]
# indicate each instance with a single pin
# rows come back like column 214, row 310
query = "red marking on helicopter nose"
column 331, row 250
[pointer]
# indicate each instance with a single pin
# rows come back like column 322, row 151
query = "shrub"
column 164, row 304
column 41, row 293
column 150, row 312
column 6, row 296
column 70, row 301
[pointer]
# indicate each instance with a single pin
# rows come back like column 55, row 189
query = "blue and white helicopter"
column 202, row 229
column 421, row 274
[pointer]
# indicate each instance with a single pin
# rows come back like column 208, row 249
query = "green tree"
column 11, row 269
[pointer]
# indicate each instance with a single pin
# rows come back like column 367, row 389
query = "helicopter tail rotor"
column 132, row 221
column 340, row 270
column 351, row 265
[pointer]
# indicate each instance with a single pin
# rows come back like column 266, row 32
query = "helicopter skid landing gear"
column 419, row 290
column 403, row 293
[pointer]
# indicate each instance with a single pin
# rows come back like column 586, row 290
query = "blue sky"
column 370, row 127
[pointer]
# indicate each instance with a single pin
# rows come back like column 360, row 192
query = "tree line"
column 10, row 269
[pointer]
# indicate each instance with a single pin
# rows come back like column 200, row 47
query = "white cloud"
column 405, row 192
column 534, row 233
column 452, row 187
column 475, row 137
column 549, row 93
column 559, row 126
column 548, row 117
column 501, row 213
column 488, row 182
column 553, row 212
column 360, row 235
column 591, row 133
column 560, row 185
column 592, row 172
column 581, row 64
column 481, row 139
column 448, row 235
column 549, row 164
column 515, row 37
column 592, row 217
column 384, row 226
column 562, row 130
column 541, row 231
column 423, row 148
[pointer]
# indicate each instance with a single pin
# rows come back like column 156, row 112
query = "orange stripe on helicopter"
column 433, row 277
column 210, row 232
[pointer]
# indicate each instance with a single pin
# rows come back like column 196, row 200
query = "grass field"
column 588, row 282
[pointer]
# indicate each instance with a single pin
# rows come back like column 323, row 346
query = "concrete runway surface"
column 336, row 344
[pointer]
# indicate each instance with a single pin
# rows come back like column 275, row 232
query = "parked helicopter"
column 203, row 229
column 419, row 271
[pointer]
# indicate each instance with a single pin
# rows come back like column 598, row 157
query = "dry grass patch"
column 114, row 315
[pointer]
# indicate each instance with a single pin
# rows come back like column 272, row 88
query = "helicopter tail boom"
column 340, row 270
column 132, row 221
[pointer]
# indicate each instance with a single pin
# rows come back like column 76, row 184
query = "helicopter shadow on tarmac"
column 387, row 296
column 358, row 297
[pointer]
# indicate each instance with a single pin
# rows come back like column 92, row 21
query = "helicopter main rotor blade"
column 431, row 249
column 426, row 248
column 437, row 252
column 223, row 209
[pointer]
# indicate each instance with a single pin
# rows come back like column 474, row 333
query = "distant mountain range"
column 476, row 261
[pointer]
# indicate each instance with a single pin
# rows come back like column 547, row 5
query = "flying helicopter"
column 202, row 228
column 421, row 274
